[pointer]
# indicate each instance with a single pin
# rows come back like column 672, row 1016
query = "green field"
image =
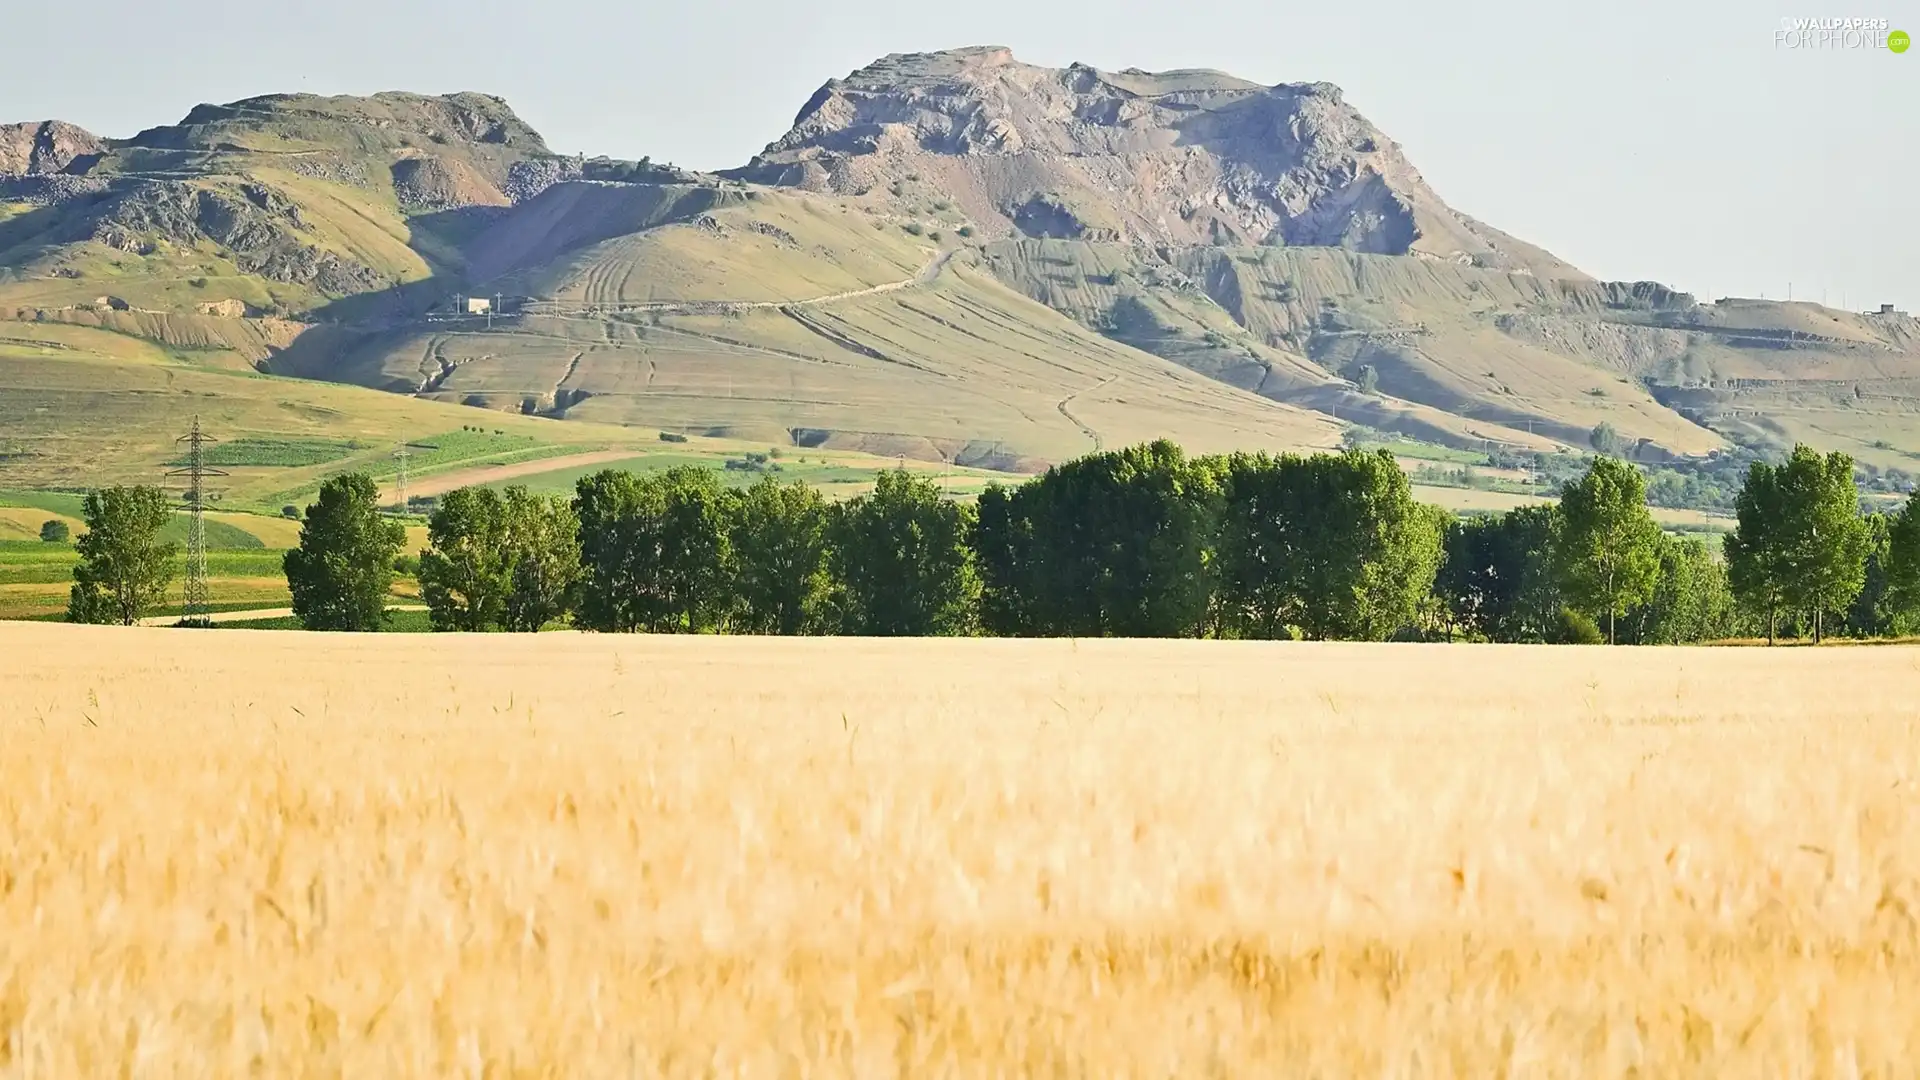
column 398, row 622
column 278, row 452
column 837, row 478
column 221, row 531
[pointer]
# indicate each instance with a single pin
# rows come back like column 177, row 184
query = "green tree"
column 655, row 551
column 544, row 536
column 1800, row 543
column 780, row 559
column 1113, row 544
column 55, row 531
column 1827, row 537
column 1369, row 379
column 1903, row 569
column 1002, row 537
column 499, row 561
column 1690, row 601
column 467, row 570
column 1333, row 545
column 124, row 568
column 342, row 571
column 1757, row 552
column 901, row 563
column 1870, row 614
column 1604, row 439
column 1607, row 553
column 1497, row 578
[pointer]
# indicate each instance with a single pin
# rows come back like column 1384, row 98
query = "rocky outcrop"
column 258, row 227
column 532, row 176
column 1185, row 157
column 428, row 182
column 382, row 120
column 50, row 148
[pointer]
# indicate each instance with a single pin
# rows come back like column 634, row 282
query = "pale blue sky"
column 1670, row 141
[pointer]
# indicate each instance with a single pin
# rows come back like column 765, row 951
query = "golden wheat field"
column 251, row 853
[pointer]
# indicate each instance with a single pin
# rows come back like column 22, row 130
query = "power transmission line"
column 195, row 604
column 401, row 455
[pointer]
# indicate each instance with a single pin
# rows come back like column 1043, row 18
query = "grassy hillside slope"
column 144, row 279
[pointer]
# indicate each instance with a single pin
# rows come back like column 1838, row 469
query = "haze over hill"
column 951, row 255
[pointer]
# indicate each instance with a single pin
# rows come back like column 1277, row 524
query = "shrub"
column 1573, row 628
column 55, row 532
column 407, row 565
column 668, row 436
column 965, row 231
column 290, row 512
column 913, row 228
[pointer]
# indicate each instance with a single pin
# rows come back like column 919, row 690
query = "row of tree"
column 1140, row 542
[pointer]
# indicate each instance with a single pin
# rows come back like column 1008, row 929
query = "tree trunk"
column 1816, row 625
column 1610, row 640
column 1771, row 620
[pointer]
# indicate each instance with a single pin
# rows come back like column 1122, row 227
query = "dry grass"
column 232, row 853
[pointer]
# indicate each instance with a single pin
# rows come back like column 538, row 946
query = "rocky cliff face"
column 219, row 179
column 1183, row 157
column 46, row 149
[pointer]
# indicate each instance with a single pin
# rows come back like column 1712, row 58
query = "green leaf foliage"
column 342, row 572
column 1497, row 579
column 1333, row 546
column 655, row 551
column 1690, row 602
column 1800, row 544
column 1903, row 569
column 1115, row 544
column 1607, row 552
column 124, row 568
column 780, row 559
column 544, row 543
column 465, row 573
column 901, row 562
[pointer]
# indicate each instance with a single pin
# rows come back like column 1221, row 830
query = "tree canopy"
column 779, row 538
column 124, row 567
column 342, row 572
column 656, row 551
column 901, row 561
column 1332, row 545
column 1800, row 544
column 1497, row 577
column 1114, row 544
column 1607, row 550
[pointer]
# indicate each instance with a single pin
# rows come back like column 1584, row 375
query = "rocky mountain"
column 46, row 149
column 953, row 255
column 1180, row 157
column 284, row 201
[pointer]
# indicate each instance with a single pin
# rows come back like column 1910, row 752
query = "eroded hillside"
column 953, row 256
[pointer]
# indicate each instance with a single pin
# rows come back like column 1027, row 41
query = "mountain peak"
column 1183, row 156
column 389, row 119
column 46, row 148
